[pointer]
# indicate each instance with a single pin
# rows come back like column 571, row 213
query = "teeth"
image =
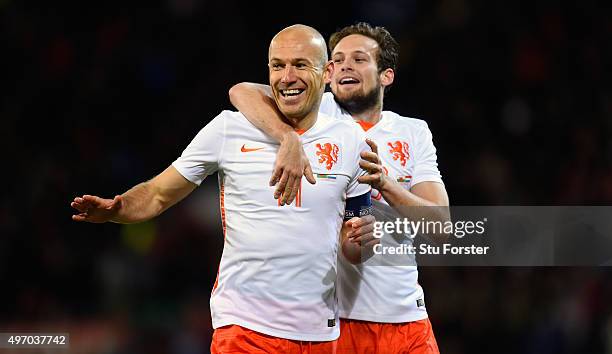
column 291, row 92
column 348, row 81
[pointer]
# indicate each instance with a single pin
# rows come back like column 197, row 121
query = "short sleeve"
column 201, row 157
column 355, row 188
column 426, row 160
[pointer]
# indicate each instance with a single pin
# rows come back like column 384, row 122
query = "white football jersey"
column 388, row 293
column 279, row 263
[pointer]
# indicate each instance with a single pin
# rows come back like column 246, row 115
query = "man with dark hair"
column 382, row 307
column 388, row 53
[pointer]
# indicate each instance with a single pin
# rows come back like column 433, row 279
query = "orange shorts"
column 236, row 339
column 361, row 337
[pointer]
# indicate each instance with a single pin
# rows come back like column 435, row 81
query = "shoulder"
column 416, row 130
column 331, row 107
column 328, row 104
column 397, row 120
column 233, row 120
column 231, row 115
column 342, row 127
column 328, row 97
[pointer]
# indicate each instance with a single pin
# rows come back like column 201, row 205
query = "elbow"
column 443, row 213
column 237, row 91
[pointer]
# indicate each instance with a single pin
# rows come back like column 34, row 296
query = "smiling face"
column 356, row 82
column 297, row 68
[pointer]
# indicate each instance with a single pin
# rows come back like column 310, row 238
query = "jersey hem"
column 384, row 319
column 281, row 334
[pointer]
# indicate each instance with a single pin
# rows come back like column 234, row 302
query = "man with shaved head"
column 382, row 305
column 275, row 289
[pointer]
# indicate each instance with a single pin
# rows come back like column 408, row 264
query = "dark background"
column 99, row 96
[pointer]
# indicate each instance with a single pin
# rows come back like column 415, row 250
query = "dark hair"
column 388, row 49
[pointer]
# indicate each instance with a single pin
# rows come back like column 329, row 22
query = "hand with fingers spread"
column 95, row 209
column 291, row 164
column 371, row 163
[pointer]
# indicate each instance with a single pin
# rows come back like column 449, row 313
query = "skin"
column 140, row 203
column 354, row 56
column 297, row 60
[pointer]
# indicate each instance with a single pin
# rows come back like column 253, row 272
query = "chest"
column 397, row 156
column 247, row 169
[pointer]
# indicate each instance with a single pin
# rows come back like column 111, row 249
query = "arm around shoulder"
column 255, row 101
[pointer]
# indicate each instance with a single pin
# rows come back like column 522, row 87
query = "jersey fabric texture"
column 279, row 263
column 388, row 293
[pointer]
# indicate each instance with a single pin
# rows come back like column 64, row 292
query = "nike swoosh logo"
column 246, row 149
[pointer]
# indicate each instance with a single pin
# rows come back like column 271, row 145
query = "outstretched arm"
column 143, row 202
column 256, row 103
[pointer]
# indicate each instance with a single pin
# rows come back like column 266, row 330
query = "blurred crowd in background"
column 96, row 98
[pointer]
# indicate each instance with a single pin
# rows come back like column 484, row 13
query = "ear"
column 328, row 71
column 387, row 77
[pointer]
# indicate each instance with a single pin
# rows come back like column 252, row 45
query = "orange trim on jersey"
column 222, row 207
column 298, row 196
column 365, row 125
column 300, row 131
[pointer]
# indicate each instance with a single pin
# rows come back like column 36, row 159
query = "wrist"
column 289, row 135
column 385, row 184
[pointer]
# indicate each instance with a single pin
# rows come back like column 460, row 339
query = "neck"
column 367, row 109
column 303, row 123
column 370, row 115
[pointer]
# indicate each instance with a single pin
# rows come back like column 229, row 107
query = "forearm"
column 140, row 203
column 415, row 207
column 410, row 205
column 256, row 103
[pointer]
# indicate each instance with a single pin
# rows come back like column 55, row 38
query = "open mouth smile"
column 291, row 92
column 348, row 81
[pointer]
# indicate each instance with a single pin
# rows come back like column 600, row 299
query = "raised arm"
column 427, row 200
column 256, row 103
column 142, row 202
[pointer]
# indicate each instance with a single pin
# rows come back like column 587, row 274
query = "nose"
column 346, row 66
column 289, row 75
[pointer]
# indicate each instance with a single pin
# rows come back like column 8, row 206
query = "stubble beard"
column 358, row 103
